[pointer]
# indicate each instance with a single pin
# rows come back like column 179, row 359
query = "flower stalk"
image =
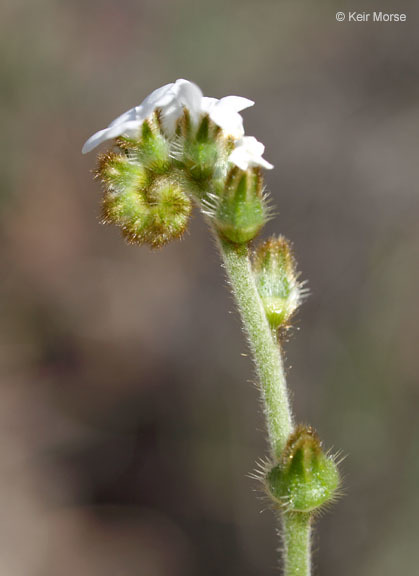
column 297, row 544
column 270, row 370
column 262, row 342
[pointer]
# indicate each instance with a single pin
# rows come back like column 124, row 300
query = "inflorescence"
column 179, row 148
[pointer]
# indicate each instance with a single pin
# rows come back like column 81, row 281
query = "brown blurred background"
column 128, row 416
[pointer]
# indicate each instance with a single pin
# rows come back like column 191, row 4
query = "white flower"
column 248, row 152
column 171, row 98
column 225, row 113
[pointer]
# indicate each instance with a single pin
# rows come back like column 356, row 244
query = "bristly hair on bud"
column 239, row 208
column 198, row 150
column 305, row 479
column 155, row 216
column 276, row 276
column 150, row 208
column 118, row 172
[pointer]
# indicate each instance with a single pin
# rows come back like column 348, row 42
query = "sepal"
column 276, row 277
column 240, row 210
column 305, row 479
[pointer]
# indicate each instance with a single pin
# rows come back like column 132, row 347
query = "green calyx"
column 152, row 150
column 120, row 173
column 201, row 148
column 305, row 478
column 276, row 278
column 240, row 211
column 169, row 211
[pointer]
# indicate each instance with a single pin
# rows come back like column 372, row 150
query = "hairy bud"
column 153, row 150
column 306, row 478
column 276, row 278
column 240, row 210
column 169, row 212
column 120, row 173
column 149, row 208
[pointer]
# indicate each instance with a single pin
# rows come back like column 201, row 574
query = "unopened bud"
column 241, row 211
column 153, row 149
column 128, row 210
column 154, row 216
column 198, row 148
column 170, row 209
column 305, row 478
column 277, row 280
column 119, row 173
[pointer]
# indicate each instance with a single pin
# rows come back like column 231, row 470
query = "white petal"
column 207, row 103
column 236, row 103
column 239, row 158
column 159, row 97
column 94, row 141
column 129, row 129
column 252, row 145
column 189, row 95
column 248, row 152
column 264, row 163
column 184, row 94
column 170, row 116
column 229, row 121
column 125, row 117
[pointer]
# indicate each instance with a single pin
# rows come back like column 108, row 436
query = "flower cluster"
column 175, row 147
column 171, row 100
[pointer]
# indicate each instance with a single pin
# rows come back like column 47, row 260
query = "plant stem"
column 270, row 369
column 263, row 345
column 297, row 543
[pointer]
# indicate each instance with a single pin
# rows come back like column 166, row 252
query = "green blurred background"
column 129, row 419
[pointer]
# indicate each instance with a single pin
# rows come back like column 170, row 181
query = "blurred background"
column 129, row 418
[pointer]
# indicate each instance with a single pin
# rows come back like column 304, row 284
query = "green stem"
column 263, row 345
column 270, row 369
column 297, row 552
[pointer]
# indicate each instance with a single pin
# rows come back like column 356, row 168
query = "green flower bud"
column 154, row 217
column 129, row 210
column 276, row 278
column 306, row 478
column 120, row 173
column 153, row 151
column 240, row 210
column 170, row 209
column 197, row 149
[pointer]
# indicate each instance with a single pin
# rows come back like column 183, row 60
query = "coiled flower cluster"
column 175, row 148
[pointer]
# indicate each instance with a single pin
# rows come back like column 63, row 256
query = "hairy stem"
column 265, row 350
column 297, row 543
column 270, row 369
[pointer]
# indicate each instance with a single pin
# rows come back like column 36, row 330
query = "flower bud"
column 120, row 173
column 154, row 215
column 128, row 210
column 153, row 150
column 170, row 209
column 240, row 210
column 277, row 280
column 305, row 478
column 198, row 149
